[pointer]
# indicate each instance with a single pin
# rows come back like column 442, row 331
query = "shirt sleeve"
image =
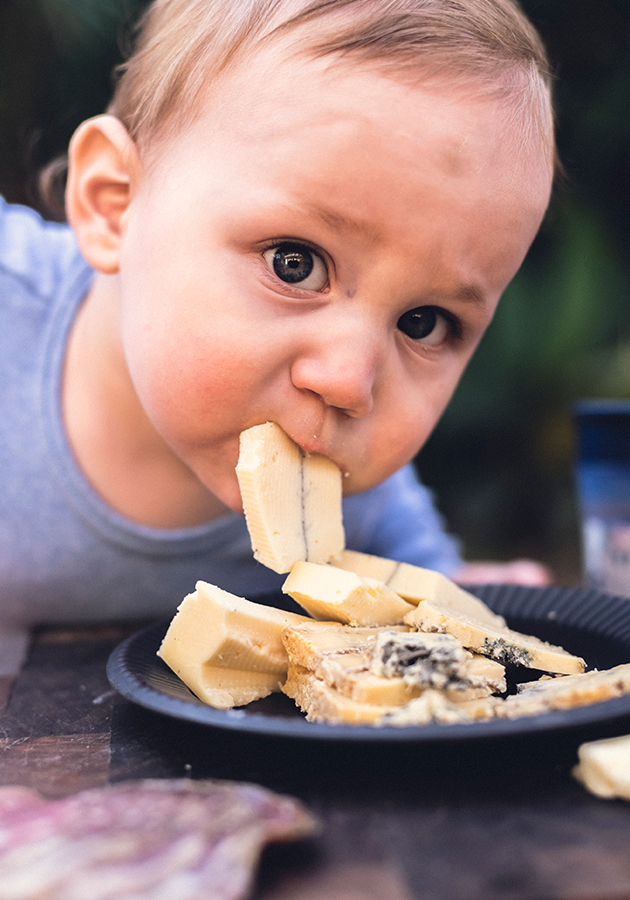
column 35, row 252
column 398, row 520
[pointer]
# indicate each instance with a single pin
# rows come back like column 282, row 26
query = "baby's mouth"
column 314, row 444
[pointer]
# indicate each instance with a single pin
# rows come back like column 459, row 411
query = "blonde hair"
column 183, row 47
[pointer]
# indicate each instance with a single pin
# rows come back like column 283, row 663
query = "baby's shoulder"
column 33, row 251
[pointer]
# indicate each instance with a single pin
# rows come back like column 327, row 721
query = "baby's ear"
column 104, row 171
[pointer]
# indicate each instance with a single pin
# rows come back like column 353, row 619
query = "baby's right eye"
column 297, row 264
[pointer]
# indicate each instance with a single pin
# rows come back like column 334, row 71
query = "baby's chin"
column 228, row 493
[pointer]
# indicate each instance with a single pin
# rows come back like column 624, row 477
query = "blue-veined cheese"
column 443, row 606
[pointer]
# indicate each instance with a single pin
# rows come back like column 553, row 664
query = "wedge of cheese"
column 342, row 656
column 414, row 584
column 333, row 594
column 323, row 703
column 352, row 676
column 604, row 767
column 482, row 631
column 538, row 697
column 226, row 649
column 291, row 499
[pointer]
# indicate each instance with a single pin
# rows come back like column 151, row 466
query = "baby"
column 299, row 211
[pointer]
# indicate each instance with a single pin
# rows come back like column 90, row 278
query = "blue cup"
column 603, row 486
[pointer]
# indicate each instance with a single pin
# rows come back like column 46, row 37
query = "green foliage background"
column 501, row 458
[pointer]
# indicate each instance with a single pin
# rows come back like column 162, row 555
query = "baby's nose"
column 341, row 371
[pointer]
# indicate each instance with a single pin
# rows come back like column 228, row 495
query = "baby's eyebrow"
column 342, row 222
column 458, row 293
column 470, row 293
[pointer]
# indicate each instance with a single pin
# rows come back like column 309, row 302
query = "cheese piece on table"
column 537, row 697
column 327, row 592
column 494, row 640
column 226, row 649
column 604, row 767
column 291, row 499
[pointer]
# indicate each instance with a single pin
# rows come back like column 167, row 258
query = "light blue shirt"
column 65, row 555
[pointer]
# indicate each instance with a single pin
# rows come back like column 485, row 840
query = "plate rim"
column 131, row 685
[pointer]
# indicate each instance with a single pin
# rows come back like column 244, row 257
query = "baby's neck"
column 121, row 454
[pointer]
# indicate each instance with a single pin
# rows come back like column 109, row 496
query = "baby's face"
column 322, row 248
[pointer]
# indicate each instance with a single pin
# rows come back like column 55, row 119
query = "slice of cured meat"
column 152, row 839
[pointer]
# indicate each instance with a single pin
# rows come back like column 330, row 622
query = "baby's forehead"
column 303, row 131
column 279, row 79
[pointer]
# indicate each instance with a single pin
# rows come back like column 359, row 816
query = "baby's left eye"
column 426, row 324
column 297, row 264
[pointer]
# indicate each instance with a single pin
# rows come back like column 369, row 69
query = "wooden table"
column 489, row 820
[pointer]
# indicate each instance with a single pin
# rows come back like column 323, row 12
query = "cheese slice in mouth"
column 291, row 499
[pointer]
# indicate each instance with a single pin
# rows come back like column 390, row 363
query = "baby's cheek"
column 392, row 443
column 405, row 431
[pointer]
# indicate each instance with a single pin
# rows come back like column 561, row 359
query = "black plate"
column 587, row 623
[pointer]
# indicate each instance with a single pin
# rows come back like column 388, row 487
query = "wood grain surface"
column 490, row 820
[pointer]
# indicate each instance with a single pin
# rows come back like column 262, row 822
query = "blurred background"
column 500, row 461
